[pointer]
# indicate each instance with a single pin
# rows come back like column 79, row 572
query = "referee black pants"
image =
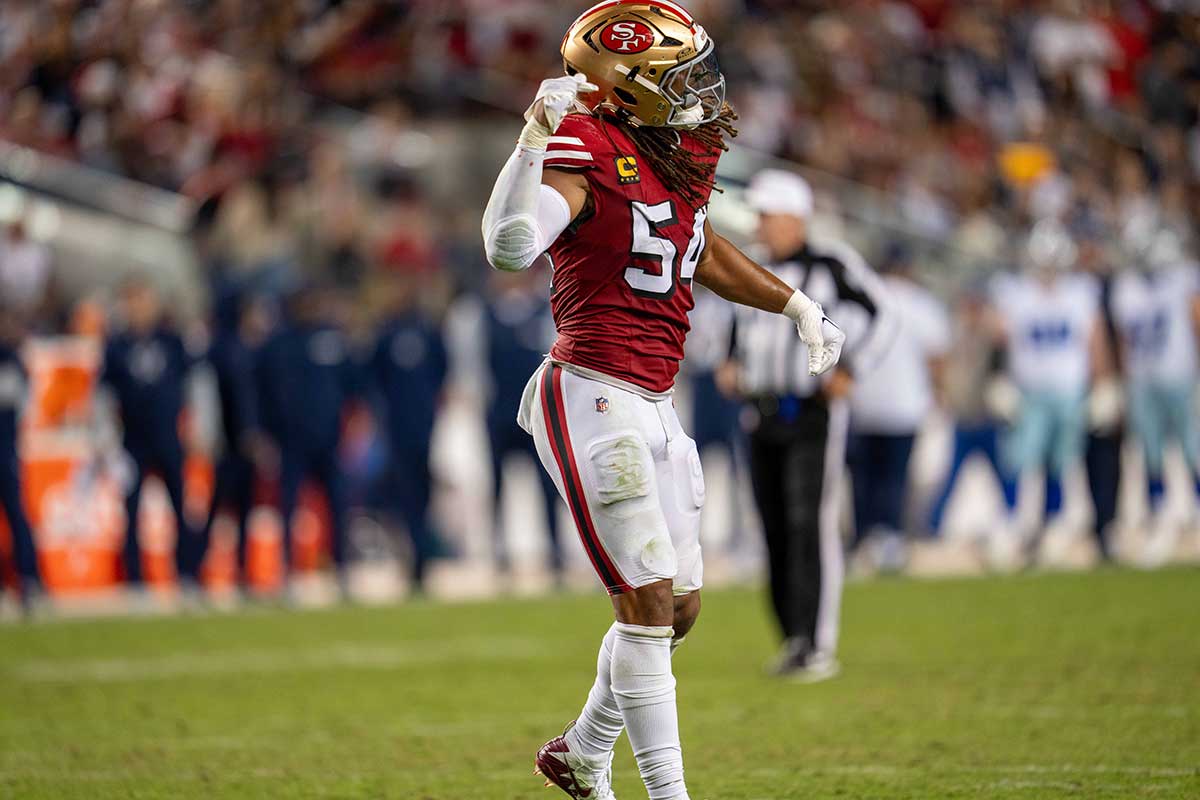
column 797, row 458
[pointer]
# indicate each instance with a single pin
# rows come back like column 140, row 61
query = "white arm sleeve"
column 553, row 215
column 523, row 215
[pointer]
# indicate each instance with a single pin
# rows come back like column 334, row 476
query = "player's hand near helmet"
column 824, row 339
column 523, row 217
column 556, row 98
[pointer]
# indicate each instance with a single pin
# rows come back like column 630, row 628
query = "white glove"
column 559, row 97
column 824, row 339
column 823, row 359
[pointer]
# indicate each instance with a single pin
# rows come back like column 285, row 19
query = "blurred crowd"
column 973, row 117
column 978, row 117
column 333, row 266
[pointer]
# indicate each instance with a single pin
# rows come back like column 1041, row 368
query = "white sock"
column 644, row 689
column 599, row 726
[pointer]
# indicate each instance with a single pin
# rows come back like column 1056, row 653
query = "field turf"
column 1039, row 686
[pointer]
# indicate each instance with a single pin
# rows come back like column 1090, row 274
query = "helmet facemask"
column 695, row 90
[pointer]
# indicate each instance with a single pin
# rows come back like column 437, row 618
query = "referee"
column 798, row 433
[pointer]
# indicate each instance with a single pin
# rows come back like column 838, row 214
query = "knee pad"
column 628, row 512
column 623, row 468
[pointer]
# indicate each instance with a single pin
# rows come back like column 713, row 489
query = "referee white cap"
column 777, row 191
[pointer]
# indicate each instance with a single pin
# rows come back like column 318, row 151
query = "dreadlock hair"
column 676, row 166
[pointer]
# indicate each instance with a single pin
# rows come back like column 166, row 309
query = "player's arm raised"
column 731, row 274
column 529, row 208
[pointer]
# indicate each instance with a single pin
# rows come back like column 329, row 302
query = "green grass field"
column 1026, row 687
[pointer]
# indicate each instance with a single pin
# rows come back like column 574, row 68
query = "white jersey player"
column 1055, row 345
column 1156, row 303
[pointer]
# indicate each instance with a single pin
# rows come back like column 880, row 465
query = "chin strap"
column 688, row 118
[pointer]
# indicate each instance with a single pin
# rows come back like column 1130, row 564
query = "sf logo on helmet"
column 627, row 37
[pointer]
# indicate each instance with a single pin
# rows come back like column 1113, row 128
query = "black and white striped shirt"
column 772, row 358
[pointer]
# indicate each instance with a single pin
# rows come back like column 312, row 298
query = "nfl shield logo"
column 601, row 405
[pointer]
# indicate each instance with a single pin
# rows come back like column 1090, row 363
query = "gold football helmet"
column 653, row 62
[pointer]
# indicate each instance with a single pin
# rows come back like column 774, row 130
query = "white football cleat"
column 580, row 777
column 799, row 661
column 818, row 666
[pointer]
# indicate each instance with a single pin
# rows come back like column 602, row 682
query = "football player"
column 1157, row 307
column 1056, row 351
column 610, row 180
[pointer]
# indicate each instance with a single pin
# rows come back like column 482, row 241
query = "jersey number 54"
column 647, row 220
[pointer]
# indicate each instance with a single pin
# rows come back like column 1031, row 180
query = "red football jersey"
column 622, row 285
